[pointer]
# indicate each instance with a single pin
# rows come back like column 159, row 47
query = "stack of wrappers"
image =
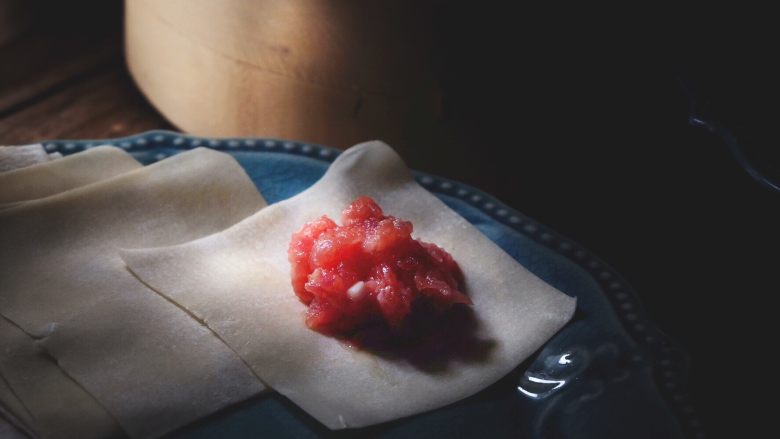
column 135, row 300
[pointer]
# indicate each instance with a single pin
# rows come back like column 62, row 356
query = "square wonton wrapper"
column 61, row 280
column 52, row 404
column 12, row 411
column 35, row 387
column 238, row 282
column 45, row 179
column 17, row 157
column 8, row 430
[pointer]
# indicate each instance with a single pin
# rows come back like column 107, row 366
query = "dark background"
column 579, row 120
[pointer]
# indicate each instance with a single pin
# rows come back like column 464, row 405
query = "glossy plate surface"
column 608, row 374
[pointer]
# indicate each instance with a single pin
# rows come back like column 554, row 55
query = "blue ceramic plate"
column 608, row 374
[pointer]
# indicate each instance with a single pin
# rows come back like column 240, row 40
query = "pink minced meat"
column 369, row 271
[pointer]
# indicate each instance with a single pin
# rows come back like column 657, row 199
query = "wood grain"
column 39, row 64
column 65, row 77
column 103, row 104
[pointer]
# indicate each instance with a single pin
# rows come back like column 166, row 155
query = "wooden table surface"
column 579, row 135
column 69, row 87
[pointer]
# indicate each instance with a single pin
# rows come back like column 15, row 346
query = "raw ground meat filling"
column 369, row 272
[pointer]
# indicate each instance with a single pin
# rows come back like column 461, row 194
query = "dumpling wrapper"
column 16, row 157
column 8, row 430
column 59, row 175
column 53, row 404
column 12, row 411
column 39, row 382
column 149, row 363
column 238, row 282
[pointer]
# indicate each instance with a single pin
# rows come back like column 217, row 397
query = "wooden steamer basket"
column 330, row 72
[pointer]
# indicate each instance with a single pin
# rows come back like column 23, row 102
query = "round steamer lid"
column 334, row 73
